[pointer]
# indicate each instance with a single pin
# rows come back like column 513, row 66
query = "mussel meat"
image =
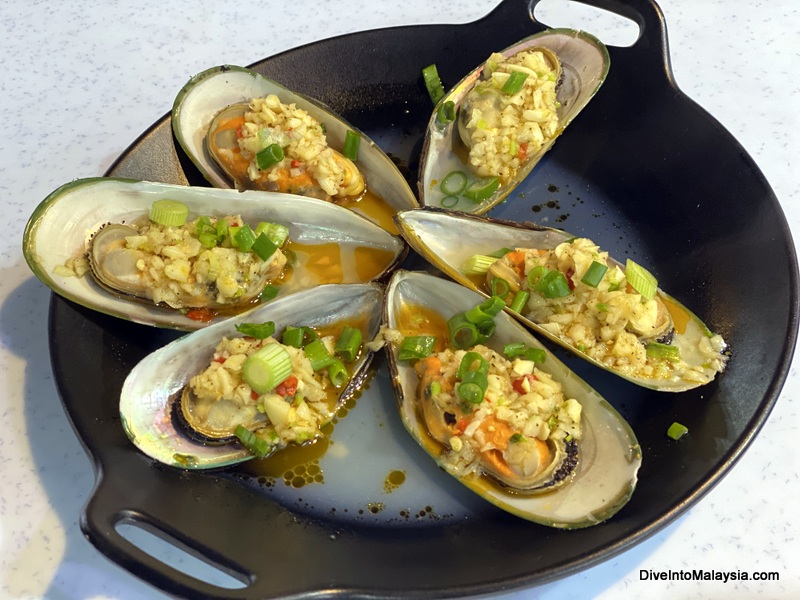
column 185, row 277
column 507, row 114
column 498, row 411
column 249, row 386
column 570, row 290
column 245, row 130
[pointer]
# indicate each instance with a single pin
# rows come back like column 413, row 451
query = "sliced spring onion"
column 245, row 238
column 232, row 231
column 535, row 275
column 499, row 253
column 349, row 343
column 268, row 293
column 554, row 285
column 499, row 287
column 260, row 331
column 478, row 264
column 293, row 336
column 449, row 201
column 662, row 351
column 337, row 373
column 446, row 112
column 263, row 247
column 471, row 392
column 351, row 143
column 433, row 83
column 463, row 334
column 258, row 446
column 208, row 240
column 521, row 350
column 485, row 330
column 454, row 183
column 266, row 368
column 269, row 156
column 416, row 346
column 594, row 274
column 519, row 301
column 222, row 229
column 274, row 231
column 641, row 279
column 480, row 313
column 472, row 361
column 204, row 225
column 676, row 431
column 318, row 355
column 514, row 82
column 481, row 189
column 169, row 213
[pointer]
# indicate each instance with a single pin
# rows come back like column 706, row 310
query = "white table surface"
column 82, row 79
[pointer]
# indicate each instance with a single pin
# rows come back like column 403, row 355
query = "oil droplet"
column 393, row 481
column 552, row 188
column 375, row 507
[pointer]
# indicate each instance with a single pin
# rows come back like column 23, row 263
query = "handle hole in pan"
column 610, row 28
column 159, row 546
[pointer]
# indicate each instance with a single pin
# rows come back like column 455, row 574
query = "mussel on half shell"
column 668, row 348
column 153, row 405
column 498, row 133
column 209, row 111
column 329, row 244
column 572, row 470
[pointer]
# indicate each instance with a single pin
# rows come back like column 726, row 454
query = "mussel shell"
column 584, row 62
column 610, row 455
column 151, row 388
column 438, row 236
column 216, row 88
column 63, row 224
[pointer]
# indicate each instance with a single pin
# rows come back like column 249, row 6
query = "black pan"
column 643, row 171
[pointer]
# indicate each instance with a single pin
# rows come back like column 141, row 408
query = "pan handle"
column 651, row 46
column 106, row 510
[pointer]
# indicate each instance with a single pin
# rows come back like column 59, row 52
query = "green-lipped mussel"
column 504, row 116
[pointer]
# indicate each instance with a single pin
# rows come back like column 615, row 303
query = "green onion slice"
column 258, row 446
column 662, row 351
column 266, row 368
column 472, row 361
column 318, row 355
column 268, row 293
column 499, row 287
column 594, row 274
column 535, row 275
column 263, row 247
column 478, row 264
column 446, row 112
column 293, row 336
column 463, row 334
column 514, row 82
column 641, row 279
column 554, row 285
column 449, row 201
column 499, row 253
column 454, row 183
column 208, row 240
column 276, row 232
column 269, row 156
column 416, row 346
column 519, row 301
column 349, row 343
column 471, row 392
column 481, row 189
column 259, row 331
column 337, row 373
column 433, row 83
column 245, row 238
column 676, row 431
column 351, row 143
column 169, row 213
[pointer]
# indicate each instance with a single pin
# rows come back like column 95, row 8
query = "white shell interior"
column 214, row 89
column 609, row 452
column 62, row 225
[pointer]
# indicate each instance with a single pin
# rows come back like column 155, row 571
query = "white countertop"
column 82, row 79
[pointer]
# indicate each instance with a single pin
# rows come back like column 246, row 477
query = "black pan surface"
column 643, row 171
